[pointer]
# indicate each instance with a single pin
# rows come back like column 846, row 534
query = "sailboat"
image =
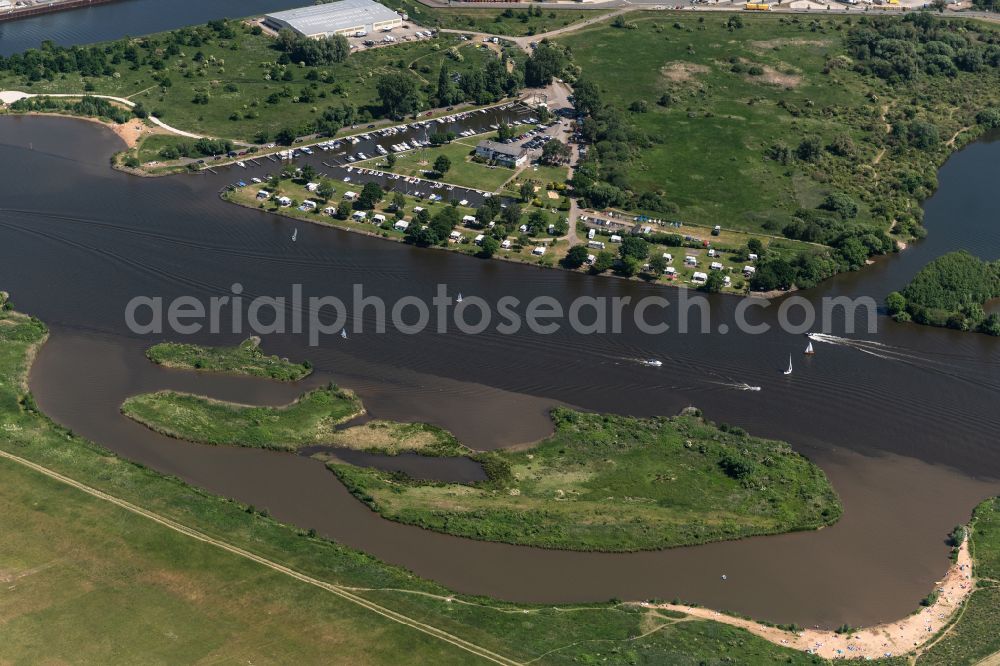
column 458, row 299
column 809, row 349
column 343, row 333
column 789, row 371
column 295, row 234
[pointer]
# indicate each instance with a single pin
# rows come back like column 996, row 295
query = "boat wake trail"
column 737, row 386
column 871, row 347
column 947, row 366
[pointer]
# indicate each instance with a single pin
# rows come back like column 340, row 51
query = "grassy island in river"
column 129, row 579
column 244, row 359
column 149, row 590
column 615, row 483
column 309, row 420
column 602, row 482
column 951, row 291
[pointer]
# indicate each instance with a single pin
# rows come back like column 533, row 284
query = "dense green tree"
column 488, row 211
column 285, row 136
column 488, row 247
column 545, row 62
column 555, row 152
column 370, row 195
column 586, row 97
column 633, row 246
column 511, row 214
column 398, row 93
column 325, row 190
column 810, row 149
column 445, row 88
column 576, row 257
column 526, row 191
column 840, row 203
column 604, row 261
column 442, row 164
column 714, row 283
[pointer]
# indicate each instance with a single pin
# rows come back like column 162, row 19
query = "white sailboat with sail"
column 789, row 370
column 809, row 349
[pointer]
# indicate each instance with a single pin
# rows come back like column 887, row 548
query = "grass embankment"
column 85, row 568
column 974, row 635
column 244, row 359
column 614, row 483
column 309, row 420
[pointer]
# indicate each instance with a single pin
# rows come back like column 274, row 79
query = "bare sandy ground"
column 883, row 640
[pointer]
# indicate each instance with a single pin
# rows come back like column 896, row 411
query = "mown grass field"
column 720, row 119
column 614, row 483
column 87, row 582
column 235, row 73
column 309, row 420
column 95, row 583
column 463, row 172
column 244, row 359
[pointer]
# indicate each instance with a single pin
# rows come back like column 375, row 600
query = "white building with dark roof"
column 344, row 17
column 507, row 154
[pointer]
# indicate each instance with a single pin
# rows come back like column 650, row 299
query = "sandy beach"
column 883, row 640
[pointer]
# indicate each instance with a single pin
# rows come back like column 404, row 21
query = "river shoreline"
column 894, row 638
column 189, row 189
column 888, row 639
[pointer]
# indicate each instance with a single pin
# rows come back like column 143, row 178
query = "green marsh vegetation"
column 244, row 359
column 602, row 482
column 311, row 419
column 827, row 130
column 614, row 483
column 130, row 580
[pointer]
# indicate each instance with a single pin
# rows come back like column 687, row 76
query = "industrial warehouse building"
column 345, row 17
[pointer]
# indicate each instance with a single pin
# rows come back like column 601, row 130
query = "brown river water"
column 907, row 434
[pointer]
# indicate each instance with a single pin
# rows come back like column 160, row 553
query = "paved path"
column 524, row 43
column 9, row 96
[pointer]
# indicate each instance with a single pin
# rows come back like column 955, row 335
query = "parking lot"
column 408, row 32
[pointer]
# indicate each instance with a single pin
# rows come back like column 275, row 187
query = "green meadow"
column 717, row 92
